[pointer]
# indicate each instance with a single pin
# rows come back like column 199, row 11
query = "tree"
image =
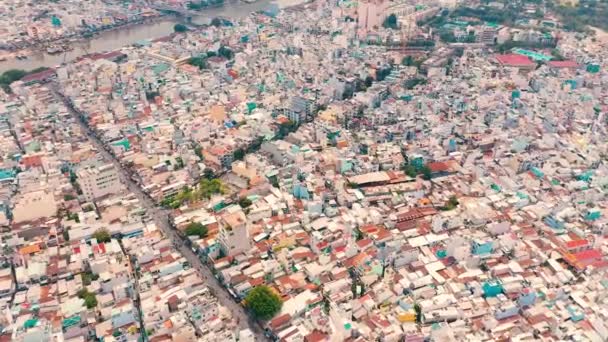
column 11, row 76
column 407, row 61
column 244, row 202
column 453, row 201
column 238, row 154
column 179, row 28
column 263, row 302
column 198, row 150
column 369, row 81
column 102, row 235
column 194, row 6
column 208, row 174
column 200, row 62
column 413, row 82
column 225, row 52
column 326, row 305
column 451, row 204
column 359, row 234
column 208, row 187
column 216, row 22
column 426, row 172
column 410, row 170
column 179, row 163
column 196, row 229
column 418, row 311
column 87, row 277
column 285, row 128
column 90, row 301
column 390, row 21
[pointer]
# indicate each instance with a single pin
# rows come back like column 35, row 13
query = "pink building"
column 371, row 14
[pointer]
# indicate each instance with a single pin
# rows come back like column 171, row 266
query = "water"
column 117, row 38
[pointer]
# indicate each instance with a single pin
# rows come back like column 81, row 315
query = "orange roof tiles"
column 29, row 249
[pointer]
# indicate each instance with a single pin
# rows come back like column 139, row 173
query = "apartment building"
column 99, row 181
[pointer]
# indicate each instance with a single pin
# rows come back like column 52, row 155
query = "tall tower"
column 371, row 14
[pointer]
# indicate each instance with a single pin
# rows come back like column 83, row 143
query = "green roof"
column 532, row 54
column 124, row 143
column 6, row 174
column 30, row 323
column 68, row 322
column 160, row 68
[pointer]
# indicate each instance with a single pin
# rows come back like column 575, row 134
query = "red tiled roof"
column 563, row 64
column 514, row 60
column 576, row 243
column 279, row 321
column 587, row 255
column 39, row 76
column 316, row 336
column 438, row 166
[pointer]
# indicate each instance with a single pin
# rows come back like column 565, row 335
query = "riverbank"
column 126, row 35
column 69, row 39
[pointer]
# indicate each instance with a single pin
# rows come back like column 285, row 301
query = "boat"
column 54, row 49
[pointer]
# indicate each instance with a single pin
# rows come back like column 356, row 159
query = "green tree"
column 390, row 21
column 198, row 150
column 217, row 22
column 410, row 170
column 208, row 174
column 285, row 128
column 209, row 187
column 197, row 229
column 407, row 61
column 263, row 302
column 453, row 201
column 11, row 76
column 413, row 82
column 90, row 301
column 426, row 172
column 179, row 28
column 179, row 163
column 225, row 52
column 244, row 202
column 238, row 154
column 418, row 311
column 200, row 62
column 102, row 235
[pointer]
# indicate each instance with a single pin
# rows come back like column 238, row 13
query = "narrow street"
column 161, row 218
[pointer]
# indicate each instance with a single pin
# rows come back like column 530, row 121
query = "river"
column 123, row 36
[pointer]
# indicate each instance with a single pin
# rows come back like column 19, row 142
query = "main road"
column 161, row 218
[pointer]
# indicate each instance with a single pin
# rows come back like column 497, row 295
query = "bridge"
column 179, row 11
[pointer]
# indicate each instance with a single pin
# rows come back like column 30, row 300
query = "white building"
column 97, row 182
column 234, row 236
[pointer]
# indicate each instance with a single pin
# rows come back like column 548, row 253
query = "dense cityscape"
column 351, row 170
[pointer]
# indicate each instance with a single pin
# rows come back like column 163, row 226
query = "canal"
column 123, row 36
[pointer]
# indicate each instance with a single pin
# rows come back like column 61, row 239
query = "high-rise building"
column 371, row 14
column 234, row 236
column 99, row 181
column 301, row 108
